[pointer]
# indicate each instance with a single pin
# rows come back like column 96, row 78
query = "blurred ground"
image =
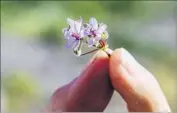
column 34, row 62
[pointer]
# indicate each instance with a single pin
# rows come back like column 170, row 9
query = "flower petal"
column 82, row 33
column 101, row 28
column 64, row 30
column 91, row 42
column 78, row 25
column 67, row 36
column 70, row 43
column 97, row 38
column 76, row 44
column 65, row 33
column 71, row 24
column 86, row 28
column 87, row 31
column 93, row 22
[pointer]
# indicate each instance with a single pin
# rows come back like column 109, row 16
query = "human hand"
column 89, row 92
column 92, row 90
column 136, row 85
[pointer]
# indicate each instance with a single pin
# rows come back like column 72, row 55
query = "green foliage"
column 21, row 89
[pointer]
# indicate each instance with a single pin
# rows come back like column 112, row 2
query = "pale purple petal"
column 86, row 33
column 98, row 38
column 76, row 44
column 82, row 33
column 93, row 22
column 66, row 37
column 101, row 28
column 91, row 42
column 71, row 24
column 70, row 42
column 64, row 30
column 66, row 34
column 78, row 25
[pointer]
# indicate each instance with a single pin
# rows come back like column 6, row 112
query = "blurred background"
column 34, row 62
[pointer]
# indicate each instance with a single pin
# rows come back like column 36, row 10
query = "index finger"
column 91, row 91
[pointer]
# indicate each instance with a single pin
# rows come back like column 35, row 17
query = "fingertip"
column 99, row 61
column 117, row 54
column 118, row 73
column 115, row 58
column 101, row 54
column 123, row 57
column 115, row 64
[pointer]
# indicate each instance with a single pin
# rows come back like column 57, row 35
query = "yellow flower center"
column 103, row 36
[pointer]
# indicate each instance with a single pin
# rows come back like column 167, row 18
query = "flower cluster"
column 92, row 33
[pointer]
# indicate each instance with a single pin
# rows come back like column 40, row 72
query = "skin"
column 93, row 89
column 90, row 92
column 135, row 84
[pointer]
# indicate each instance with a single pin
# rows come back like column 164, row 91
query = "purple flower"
column 74, row 33
column 96, row 32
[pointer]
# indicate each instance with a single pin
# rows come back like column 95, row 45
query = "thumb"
column 119, row 72
column 136, row 85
